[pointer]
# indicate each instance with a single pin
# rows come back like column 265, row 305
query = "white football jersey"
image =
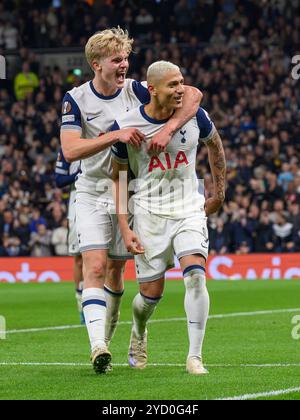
column 74, row 168
column 165, row 184
column 71, row 207
column 65, row 175
column 93, row 114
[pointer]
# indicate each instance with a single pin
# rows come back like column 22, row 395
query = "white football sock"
column 196, row 304
column 94, row 309
column 142, row 307
column 113, row 302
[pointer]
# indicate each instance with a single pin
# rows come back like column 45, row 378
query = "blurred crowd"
column 65, row 23
column 237, row 52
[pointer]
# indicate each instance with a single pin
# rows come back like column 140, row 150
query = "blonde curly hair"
column 108, row 42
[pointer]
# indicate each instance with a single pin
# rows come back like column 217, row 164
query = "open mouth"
column 121, row 78
column 178, row 100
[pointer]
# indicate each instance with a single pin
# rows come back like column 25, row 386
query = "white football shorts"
column 162, row 238
column 97, row 227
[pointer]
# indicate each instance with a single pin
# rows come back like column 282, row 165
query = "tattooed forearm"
column 217, row 164
column 220, row 187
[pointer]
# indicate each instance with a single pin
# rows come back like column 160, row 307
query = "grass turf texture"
column 258, row 339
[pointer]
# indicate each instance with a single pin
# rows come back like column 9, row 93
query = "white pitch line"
column 255, row 365
column 261, row 395
column 42, row 364
column 29, row 330
column 269, row 365
column 159, row 321
column 270, row 312
column 236, row 398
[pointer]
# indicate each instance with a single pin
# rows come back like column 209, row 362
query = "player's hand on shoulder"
column 133, row 243
column 131, row 136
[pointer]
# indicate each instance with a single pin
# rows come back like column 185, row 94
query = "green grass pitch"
column 247, row 355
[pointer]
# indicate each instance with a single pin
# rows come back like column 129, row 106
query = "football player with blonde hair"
column 88, row 113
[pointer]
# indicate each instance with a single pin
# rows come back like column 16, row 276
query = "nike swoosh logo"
column 191, row 322
column 205, row 245
column 92, row 118
column 95, row 320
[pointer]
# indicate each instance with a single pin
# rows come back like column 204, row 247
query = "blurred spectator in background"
column 285, row 235
column 294, row 215
column 12, row 247
column 285, row 177
column 219, row 238
column 243, row 231
column 40, row 242
column 36, row 220
column 7, row 224
column 60, row 239
column 9, row 35
column 143, row 24
column 25, row 82
column 22, row 231
column 266, row 240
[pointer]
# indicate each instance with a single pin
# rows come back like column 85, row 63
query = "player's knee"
column 153, row 290
column 194, row 278
column 95, row 271
column 115, row 269
column 152, row 300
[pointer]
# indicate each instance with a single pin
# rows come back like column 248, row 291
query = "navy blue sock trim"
column 151, row 298
column 193, row 267
column 113, row 293
column 79, row 291
column 94, row 302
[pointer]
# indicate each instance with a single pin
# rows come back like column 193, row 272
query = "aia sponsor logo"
column 166, row 163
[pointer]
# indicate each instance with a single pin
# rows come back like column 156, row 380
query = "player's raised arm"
column 76, row 148
column 217, row 163
column 191, row 101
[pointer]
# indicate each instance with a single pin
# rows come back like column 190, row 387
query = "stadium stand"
column 237, row 52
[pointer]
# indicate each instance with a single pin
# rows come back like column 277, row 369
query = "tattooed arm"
column 217, row 163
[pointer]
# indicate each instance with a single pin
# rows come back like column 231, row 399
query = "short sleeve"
column 63, row 177
column 71, row 115
column 141, row 92
column 206, row 126
column 62, row 166
column 119, row 150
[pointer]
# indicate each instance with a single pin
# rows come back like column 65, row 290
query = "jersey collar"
column 152, row 120
column 99, row 95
